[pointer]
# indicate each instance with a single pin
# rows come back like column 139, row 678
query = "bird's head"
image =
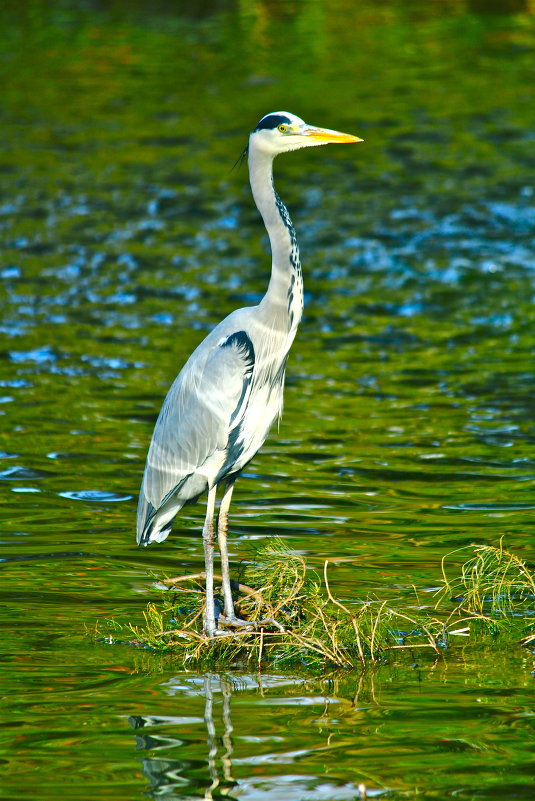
column 280, row 131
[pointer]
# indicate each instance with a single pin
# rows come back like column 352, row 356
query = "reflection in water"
column 226, row 756
column 171, row 775
column 208, row 740
column 340, row 737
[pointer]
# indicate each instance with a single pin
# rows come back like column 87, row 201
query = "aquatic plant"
column 296, row 620
column 494, row 590
column 492, row 581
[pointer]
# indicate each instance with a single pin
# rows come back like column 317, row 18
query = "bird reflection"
column 341, row 701
column 226, row 756
column 174, row 776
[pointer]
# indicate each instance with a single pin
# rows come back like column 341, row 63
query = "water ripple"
column 489, row 507
column 102, row 496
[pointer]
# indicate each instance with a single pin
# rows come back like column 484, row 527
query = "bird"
column 221, row 406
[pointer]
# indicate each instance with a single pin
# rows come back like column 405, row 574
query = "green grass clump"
column 492, row 582
column 494, row 590
column 296, row 620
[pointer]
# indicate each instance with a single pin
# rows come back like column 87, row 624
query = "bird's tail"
column 154, row 525
column 153, row 533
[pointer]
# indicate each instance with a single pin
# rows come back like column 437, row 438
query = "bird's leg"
column 222, row 527
column 208, row 542
column 229, row 618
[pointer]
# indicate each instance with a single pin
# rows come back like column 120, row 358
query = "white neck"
column 285, row 289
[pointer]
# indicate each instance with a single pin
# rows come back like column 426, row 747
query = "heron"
column 221, row 406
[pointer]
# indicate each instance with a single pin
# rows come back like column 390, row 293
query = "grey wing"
column 191, row 438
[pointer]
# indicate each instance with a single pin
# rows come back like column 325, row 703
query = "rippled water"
column 408, row 425
column 117, row 724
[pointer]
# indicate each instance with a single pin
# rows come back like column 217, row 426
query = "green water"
column 408, row 425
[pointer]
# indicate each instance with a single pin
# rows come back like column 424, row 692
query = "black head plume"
column 241, row 158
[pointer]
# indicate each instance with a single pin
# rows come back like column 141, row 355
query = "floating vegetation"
column 493, row 582
column 294, row 618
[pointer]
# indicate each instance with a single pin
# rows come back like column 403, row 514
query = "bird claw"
column 238, row 623
column 272, row 622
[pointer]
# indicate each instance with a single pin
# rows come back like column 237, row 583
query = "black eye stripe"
column 272, row 121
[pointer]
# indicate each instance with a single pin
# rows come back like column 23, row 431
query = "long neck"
column 285, row 290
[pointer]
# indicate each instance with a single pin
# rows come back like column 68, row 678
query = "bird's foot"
column 235, row 622
column 270, row 621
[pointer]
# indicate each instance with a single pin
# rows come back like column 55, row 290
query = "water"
column 408, row 423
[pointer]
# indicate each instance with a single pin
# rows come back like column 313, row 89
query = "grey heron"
column 221, row 406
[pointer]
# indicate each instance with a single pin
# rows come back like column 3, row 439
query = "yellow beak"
column 323, row 136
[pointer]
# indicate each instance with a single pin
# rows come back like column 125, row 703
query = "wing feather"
column 190, row 440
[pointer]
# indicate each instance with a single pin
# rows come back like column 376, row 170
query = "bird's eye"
column 283, row 128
